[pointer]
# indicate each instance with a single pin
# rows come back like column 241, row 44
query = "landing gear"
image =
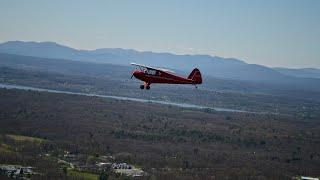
column 147, row 86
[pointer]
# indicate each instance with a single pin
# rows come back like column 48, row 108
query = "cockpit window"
column 151, row 72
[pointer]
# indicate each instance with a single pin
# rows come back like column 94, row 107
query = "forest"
column 166, row 142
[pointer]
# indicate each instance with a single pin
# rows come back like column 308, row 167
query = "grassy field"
column 4, row 148
column 84, row 175
column 25, row 138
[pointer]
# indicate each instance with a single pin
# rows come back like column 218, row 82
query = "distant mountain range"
column 227, row 68
column 302, row 73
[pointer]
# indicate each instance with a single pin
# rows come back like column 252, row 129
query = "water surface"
column 183, row 105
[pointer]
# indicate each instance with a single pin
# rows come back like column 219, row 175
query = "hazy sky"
column 269, row 32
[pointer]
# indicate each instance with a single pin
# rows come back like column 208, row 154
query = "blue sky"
column 268, row 32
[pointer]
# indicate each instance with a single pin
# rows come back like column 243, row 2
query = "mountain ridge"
column 300, row 72
column 228, row 68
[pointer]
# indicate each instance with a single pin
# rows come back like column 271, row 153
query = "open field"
column 84, row 175
column 24, row 138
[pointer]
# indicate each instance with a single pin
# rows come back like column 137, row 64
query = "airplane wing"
column 166, row 70
column 148, row 67
column 143, row 66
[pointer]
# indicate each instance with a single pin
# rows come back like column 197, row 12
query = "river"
column 183, row 105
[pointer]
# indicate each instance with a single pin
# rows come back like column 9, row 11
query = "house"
column 121, row 166
column 16, row 171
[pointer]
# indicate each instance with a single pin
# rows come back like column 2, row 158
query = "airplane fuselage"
column 153, row 76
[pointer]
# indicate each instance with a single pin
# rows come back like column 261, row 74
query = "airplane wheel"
column 147, row 87
column 141, row 86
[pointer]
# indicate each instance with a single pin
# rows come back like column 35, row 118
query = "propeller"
column 132, row 73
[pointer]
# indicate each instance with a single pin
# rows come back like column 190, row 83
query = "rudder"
column 195, row 75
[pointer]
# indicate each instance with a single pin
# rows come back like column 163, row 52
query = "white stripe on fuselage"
column 171, row 79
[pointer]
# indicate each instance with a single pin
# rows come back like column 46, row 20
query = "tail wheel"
column 141, row 86
column 147, row 87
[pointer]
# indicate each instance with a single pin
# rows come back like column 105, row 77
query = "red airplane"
column 151, row 75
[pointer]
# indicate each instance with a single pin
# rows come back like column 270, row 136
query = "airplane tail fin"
column 195, row 75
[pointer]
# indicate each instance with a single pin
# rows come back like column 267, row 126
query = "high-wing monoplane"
column 150, row 75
